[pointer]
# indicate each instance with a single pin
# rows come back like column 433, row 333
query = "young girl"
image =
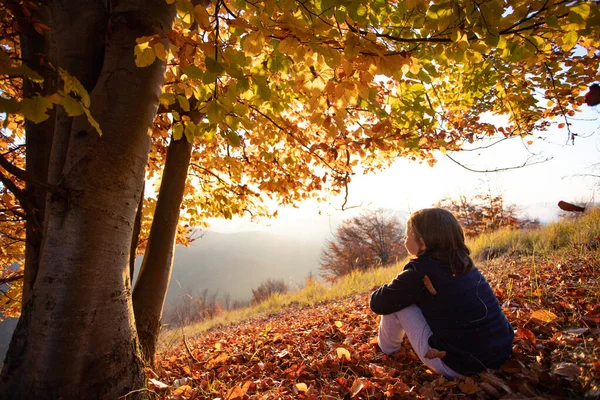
column 459, row 313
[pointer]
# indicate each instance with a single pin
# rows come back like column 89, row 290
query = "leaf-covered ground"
column 328, row 351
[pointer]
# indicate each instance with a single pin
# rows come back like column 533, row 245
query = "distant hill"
column 235, row 263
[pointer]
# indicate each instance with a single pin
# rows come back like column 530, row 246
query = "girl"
column 458, row 315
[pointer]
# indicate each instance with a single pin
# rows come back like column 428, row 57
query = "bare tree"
column 485, row 212
column 267, row 289
column 373, row 238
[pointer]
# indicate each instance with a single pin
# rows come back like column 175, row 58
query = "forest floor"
column 329, row 351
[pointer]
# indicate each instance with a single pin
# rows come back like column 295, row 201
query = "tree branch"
column 11, row 278
column 525, row 164
column 24, row 176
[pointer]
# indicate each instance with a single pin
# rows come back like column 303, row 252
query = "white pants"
column 411, row 321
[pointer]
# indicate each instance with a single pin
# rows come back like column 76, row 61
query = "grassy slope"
column 547, row 281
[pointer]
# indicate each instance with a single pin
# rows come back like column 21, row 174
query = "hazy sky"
column 409, row 186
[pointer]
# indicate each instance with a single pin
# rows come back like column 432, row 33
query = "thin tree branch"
column 12, row 278
column 24, row 176
column 525, row 164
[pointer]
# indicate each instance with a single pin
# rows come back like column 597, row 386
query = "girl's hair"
column 444, row 238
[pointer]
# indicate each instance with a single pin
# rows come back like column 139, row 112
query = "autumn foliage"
column 282, row 101
column 329, row 351
column 371, row 239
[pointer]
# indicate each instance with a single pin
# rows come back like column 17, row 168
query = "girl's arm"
column 406, row 289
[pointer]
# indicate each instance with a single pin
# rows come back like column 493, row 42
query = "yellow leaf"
column 34, row 109
column 343, row 354
column 339, row 324
column 544, row 316
column 160, row 51
column 144, row 55
column 302, row 387
column 71, row 106
column 92, row 121
column 253, row 44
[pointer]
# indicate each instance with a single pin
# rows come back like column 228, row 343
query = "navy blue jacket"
column 465, row 317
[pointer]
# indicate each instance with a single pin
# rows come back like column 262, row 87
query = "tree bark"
column 38, row 142
column 135, row 240
column 155, row 273
column 77, row 336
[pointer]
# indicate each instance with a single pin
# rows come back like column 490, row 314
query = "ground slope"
column 328, row 351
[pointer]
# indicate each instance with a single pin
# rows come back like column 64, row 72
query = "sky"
column 408, row 186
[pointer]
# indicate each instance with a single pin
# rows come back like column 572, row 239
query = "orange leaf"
column 592, row 317
column 525, row 333
column 236, row 392
column 221, row 358
column 429, row 285
column 469, row 386
column 544, row 316
column 183, row 390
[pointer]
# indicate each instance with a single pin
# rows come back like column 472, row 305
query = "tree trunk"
column 38, row 143
column 135, row 240
column 77, row 337
column 153, row 280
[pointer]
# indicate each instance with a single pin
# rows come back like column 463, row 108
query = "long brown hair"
column 444, row 238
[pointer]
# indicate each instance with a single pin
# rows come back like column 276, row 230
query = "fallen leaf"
column 490, row 389
column 429, row 285
column 180, row 382
column 469, row 386
column 339, row 324
column 576, row 331
column 435, row 353
column 343, row 354
column 495, row 381
column 525, row 333
column 357, row 386
column 184, row 390
column 220, row 359
column 236, row 392
column 544, row 316
column 566, row 369
column 302, row 387
column 592, row 317
column 158, row 385
column 513, row 366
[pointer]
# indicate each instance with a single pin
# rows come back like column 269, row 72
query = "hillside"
column 327, row 350
column 237, row 262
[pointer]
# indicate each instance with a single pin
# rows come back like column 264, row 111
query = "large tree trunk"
column 78, row 337
column 153, row 280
